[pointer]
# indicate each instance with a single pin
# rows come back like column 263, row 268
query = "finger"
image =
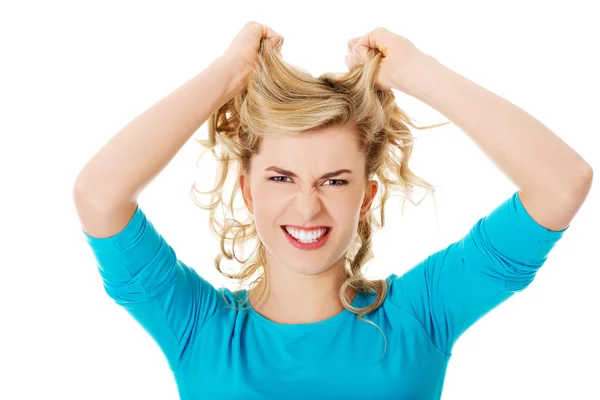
column 277, row 42
column 375, row 39
column 348, row 62
column 274, row 38
column 352, row 42
column 361, row 46
column 364, row 41
column 360, row 52
column 371, row 39
column 351, row 61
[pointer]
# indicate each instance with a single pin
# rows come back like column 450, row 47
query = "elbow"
column 582, row 184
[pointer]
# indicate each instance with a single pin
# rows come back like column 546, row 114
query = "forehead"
column 337, row 144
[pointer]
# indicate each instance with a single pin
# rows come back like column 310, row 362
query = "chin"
column 308, row 270
column 306, row 267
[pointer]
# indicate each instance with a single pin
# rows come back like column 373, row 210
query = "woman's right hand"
column 242, row 53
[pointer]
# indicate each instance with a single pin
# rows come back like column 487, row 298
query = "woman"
column 310, row 325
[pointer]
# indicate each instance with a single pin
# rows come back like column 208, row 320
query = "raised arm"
column 107, row 187
column 139, row 269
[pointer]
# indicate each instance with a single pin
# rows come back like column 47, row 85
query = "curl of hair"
column 281, row 99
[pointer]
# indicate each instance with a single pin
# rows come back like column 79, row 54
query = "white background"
column 73, row 74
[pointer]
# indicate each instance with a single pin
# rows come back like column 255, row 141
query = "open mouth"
column 307, row 244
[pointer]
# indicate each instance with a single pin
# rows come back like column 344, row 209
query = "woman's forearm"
column 553, row 178
column 134, row 156
column 533, row 157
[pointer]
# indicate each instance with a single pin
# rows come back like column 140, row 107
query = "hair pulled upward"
column 281, row 99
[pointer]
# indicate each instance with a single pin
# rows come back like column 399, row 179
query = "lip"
column 307, row 227
column 306, row 246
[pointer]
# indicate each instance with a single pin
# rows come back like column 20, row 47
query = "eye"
column 275, row 178
column 338, row 182
column 341, row 182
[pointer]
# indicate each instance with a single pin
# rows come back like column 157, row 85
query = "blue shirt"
column 217, row 352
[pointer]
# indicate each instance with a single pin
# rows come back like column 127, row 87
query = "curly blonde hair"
column 281, row 99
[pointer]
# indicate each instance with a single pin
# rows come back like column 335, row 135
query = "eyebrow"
column 293, row 175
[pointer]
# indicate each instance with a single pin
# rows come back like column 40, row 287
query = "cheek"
column 268, row 202
column 346, row 203
column 268, row 209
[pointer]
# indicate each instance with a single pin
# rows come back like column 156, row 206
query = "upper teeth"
column 306, row 235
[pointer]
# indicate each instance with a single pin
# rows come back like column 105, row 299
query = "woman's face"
column 288, row 187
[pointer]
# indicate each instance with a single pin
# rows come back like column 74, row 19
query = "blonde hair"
column 283, row 100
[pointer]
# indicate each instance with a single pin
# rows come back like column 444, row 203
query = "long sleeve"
column 453, row 288
column 141, row 272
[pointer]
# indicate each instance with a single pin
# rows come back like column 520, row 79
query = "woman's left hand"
column 398, row 65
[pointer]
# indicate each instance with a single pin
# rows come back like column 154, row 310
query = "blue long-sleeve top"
column 218, row 352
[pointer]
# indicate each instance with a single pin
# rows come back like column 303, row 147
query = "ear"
column 370, row 193
column 245, row 188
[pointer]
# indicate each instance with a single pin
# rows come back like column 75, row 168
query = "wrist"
column 233, row 72
column 422, row 68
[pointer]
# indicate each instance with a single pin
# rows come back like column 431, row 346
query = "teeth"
column 306, row 236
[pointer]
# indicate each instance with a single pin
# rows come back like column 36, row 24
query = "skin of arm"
column 554, row 180
column 134, row 156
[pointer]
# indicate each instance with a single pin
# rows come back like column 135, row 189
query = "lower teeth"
column 311, row 241
column 308, row 241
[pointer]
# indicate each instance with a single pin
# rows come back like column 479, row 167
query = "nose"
column 308, row 204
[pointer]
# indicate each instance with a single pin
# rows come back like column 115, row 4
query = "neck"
column 300, row 299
